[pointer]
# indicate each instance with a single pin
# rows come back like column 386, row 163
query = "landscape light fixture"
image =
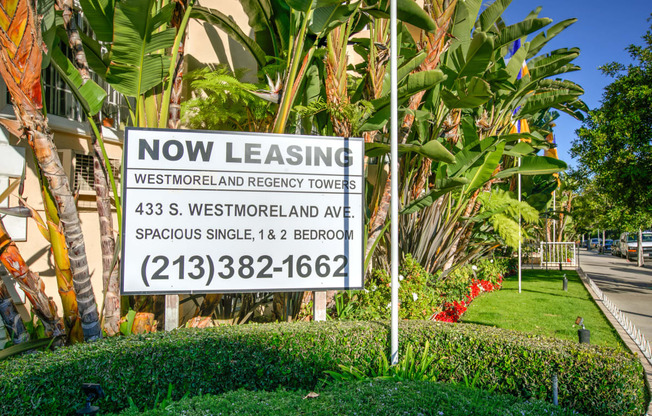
column 93, row 392
column 565, row 283
column 583, row 334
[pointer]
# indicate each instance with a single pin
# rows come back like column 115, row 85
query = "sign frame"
column 355, row 267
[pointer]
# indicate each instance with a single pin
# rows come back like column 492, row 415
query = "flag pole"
column 520, row 236
column 394, row 178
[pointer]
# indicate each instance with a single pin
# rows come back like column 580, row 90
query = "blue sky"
column 603, row 30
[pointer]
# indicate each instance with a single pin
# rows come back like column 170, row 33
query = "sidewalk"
column 630, row 288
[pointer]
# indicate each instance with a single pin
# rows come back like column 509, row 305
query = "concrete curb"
column 622, row 333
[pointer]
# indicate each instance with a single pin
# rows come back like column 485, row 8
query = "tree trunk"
column 10, row 315
column 20, row 67
column 110, row 269
column 639, row 252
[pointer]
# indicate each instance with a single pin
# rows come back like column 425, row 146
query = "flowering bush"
column 423, row 295
column 468, row 282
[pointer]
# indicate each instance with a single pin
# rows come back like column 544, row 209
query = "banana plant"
column 472, row 110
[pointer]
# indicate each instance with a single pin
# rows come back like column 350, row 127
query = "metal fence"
column 558, row 254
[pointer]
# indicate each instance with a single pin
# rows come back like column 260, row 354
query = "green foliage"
column 593, row 380
column 502, row 209
column 416, row 295
column 223, row 102
column 378, row 397
column 411, row 366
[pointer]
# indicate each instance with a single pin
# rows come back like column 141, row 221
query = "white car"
column 629, row 245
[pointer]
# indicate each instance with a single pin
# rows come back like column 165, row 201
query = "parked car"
column 615, row 248
column 606, row 246
column 595, row 242
column 629, row 245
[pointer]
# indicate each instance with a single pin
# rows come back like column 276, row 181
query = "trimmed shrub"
column 592, row 380
column 377, row 397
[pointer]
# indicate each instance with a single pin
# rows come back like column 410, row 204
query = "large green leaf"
column 545, row 100
column 520, row 149
column 404, row 70
column 228, row 25
column 35, row 344
column 535, row 165
column 48, row 23
column 491, row 14
column 138, row 62
column 464, row 19
column 100, row 17
column 476, row 59
column 436, row 151
column 547, row 65
column 325, row 19
column 407, row 11
column 259, row 13
column 300, row 5
column 471, row 95
column 479, row 176
column 89, row 95
column 543, row 38
column 96, row 60
column 576, row 108
column 561, row 84
column 520, row 30
column 432, row 150
column 430, row 198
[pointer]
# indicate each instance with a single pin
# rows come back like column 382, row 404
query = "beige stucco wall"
column 208, row 45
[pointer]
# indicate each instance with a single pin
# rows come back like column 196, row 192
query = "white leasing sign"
column 231, row 212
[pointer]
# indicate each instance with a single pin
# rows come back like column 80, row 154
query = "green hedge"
column 377, row 398
column 592, row 380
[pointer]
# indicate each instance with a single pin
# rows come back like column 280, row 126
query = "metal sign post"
column 394, row 177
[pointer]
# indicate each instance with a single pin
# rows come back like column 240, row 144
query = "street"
column 626, row 285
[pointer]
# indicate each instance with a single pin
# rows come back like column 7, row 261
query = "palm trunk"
column 110, row 269
column 20, row 67
column 31, row 284
column 174, row 111
column 10, row 315
column 336, row 80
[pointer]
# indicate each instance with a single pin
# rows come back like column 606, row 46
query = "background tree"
column 613, row 145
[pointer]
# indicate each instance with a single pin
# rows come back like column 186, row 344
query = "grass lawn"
column 543, row 308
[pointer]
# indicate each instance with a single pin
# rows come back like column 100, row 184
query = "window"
column 60, row 101
column 84, row 180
